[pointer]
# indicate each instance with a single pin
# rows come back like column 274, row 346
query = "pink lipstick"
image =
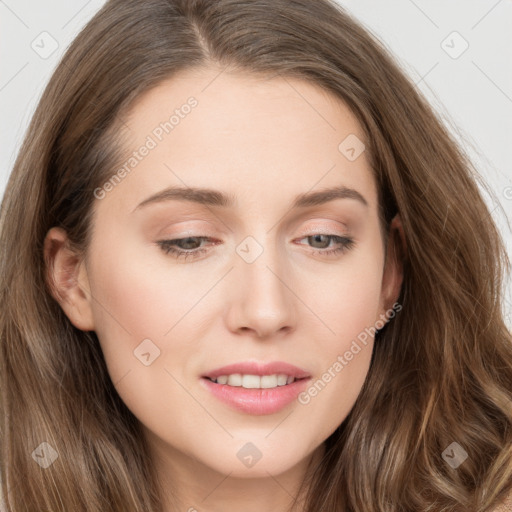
column 256, row 388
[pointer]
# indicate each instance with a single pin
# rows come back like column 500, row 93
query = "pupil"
column 187, row 241
column 315, row 237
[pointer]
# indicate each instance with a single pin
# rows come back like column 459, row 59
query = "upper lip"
column 258, row 368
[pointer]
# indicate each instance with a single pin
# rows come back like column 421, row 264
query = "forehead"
column 227, row 100
column 257, row 138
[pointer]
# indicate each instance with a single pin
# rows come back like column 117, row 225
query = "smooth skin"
column 263, row 141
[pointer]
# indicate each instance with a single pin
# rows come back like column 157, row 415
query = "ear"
column 67, row 279
column 393, row 275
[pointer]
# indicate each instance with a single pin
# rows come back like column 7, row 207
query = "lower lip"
column 256, row 401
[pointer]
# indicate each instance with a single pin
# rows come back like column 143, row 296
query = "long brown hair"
column 441, row 371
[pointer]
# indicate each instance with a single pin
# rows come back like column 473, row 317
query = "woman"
column 172, row 336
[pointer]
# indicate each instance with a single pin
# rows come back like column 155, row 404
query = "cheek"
column 133, row 302
column 349, row 300
column 138, row 315
column 350, row 310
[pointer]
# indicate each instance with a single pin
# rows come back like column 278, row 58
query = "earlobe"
column 393, row 272
column 67, row 278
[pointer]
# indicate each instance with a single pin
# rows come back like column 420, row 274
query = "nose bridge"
column 261, row 265
column 265, row 301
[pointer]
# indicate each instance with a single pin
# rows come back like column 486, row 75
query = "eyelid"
column 319, row 226
column 347, row 243
column 326, row 229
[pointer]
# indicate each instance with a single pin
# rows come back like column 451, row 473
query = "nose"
column 262, row 301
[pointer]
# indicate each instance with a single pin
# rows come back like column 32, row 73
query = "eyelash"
column 346, row 243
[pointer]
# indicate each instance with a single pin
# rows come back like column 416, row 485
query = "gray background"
column 470, row 87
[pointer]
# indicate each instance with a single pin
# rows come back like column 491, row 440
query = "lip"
column 257, row 401
column 258, row 368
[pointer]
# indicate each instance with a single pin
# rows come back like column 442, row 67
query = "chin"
column 249, row 461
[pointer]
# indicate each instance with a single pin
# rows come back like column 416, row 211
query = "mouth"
column 249, row 381
column 255, row 388
column 247, row 373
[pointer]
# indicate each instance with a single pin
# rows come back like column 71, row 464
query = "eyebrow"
column 210, row 197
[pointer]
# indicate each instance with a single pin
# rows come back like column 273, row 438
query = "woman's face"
column 263, row 275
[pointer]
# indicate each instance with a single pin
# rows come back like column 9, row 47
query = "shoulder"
column 505, row 505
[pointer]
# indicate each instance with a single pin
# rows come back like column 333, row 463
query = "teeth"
column 251, row 381
column 282, row 380
column 255, row 381
column 234, row 380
